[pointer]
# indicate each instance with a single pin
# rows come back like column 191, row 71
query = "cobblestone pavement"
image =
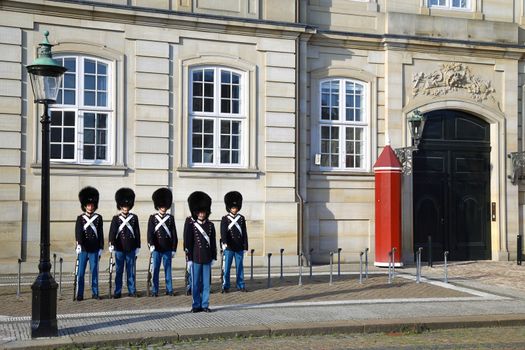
column 470, row 338
column 371, row 306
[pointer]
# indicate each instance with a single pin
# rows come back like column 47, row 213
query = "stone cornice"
column 89, row 10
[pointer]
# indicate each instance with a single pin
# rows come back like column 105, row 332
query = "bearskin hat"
column 199, row 201
column 233, row 199
column 125, row 197
column 162, row 198
column 88, row 195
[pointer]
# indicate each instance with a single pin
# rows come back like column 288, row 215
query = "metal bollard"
column 300, row 270
column 310, row 259
column 282, row 251
column 389, row 267
column 361, row 268
column 519, row 250
column 331, row 267
column 19, row 276
column 366, row 263
column 418, row 265
column 339, row 261
column 60, row 279
column 429, row 251
column 251, row 264
column 393, row 262
column 446, row 266
column 269, row 277
column 54, row 265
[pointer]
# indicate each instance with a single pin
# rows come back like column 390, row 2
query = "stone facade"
column 406, row 54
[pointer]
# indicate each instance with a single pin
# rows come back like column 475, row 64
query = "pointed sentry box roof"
column 387, row 160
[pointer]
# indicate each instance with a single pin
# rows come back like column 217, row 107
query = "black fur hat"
column 199, row 201
column 88, row 195
column 125, row 197
column 233, row 199
column 162, row 198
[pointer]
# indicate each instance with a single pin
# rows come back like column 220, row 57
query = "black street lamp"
column 416, row 123
column 46, row 76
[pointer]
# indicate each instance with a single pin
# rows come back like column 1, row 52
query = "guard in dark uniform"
column 124, row 239
column 89, row 235
column 199, row 242
column 234, row 240
column 162, row 238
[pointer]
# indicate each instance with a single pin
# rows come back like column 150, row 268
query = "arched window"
column 82, row 118
column 343, row 125
column 218, row 112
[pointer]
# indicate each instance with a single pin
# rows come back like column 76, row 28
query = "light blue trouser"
column 83, row 258
column 129, row 260
column 200, row 285
column 165, row 257
column 239, row 268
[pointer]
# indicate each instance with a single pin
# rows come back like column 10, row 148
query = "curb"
column 286, row 329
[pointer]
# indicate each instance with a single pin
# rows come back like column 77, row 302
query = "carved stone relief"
column 451, row 77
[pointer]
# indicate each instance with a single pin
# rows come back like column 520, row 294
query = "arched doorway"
column 451, row 177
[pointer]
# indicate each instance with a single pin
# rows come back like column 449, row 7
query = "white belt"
column 162, row 222
column 89, row 222
column 125, row 222
column 201, row 230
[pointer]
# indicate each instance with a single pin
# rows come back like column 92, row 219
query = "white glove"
column 99, row 253
column 173, row 253
column 137, row 251
column 224, row 246
column 151, row 249
column 190, row 264
column 111, row 249
column 213, row 262
column 79, row 249
column 245, row 252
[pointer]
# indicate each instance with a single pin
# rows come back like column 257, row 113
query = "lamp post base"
column 44, row 307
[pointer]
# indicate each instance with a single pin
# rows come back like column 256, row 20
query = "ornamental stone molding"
column 451, row 77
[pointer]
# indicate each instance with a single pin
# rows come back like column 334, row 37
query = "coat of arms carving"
column 451, row 77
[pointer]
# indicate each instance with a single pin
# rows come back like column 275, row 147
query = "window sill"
column 218, row 173
column 341, row 175
column 81, row 169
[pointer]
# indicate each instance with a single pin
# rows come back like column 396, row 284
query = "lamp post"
column 46, row 77
column 416, row 122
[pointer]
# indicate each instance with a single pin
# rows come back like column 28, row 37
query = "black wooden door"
column 452, row 187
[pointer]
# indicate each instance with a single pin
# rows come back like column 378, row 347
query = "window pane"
column 101, row 153
column 324, row 146
column 208, row 75
column 101, row 137
column 236, row 127
column 208, row 126
column 56, row 118
column 197, row 125
column 69, row 152
column 56, row 134
column 89, row 120
column 225, row 77
column 325, row 160
column 197, row 89
column 89, row 152
column 225, row 91
column 69, row 135
column 235, row 157
column 102, row 83
column 235, row 142
column 208, row 141
column 89, row 66
column 325, row 113
column 89, row 98
column 225, row 141
column 89, row 82
column 235, row 91
column 102, row 120
column 69, row 118
column 335, row 161
column 197, row 75
column 89, row 136
column 225, row 106
column 56, row 152
column 196, row 156
column 102, row 68
column 69, row 97
column 208, row 90
column 235, row 107
column 70, row 64
column 102, row 99
column 197, row 104
column 335, row 114
column 225, row 157
column 225, row 127
column 197, row 141
column 208, row 105
column 69, row 81
column 208, row 156
column 236, row 78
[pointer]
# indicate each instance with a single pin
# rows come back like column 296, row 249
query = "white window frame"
column 80, row 109
column 217, row 116
column 343, row 124
column 449, row 5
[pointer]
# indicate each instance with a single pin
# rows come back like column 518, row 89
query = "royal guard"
column 234, row 240
column 201, row 247
column 124, row 240
column 89, row 235
column 162, row 238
